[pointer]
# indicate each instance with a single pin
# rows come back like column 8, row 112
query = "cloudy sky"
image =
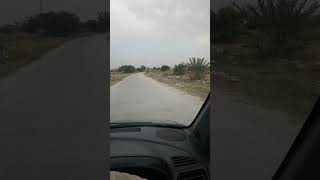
column 11, row 10
column 156, row 32
column 150, row 32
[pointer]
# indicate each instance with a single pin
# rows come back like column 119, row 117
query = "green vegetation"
column 180, row 69
column 186, row 83
column 271, row 55
column 60, row 23
column 192, row 77
column 53, row 24
column 24, row 42
column 127, row 69
column 165, row 68
column 141, row 68
column 278, row 26
column 182, row 76
column 226, row 25
column 197, row 66
column 101, row 24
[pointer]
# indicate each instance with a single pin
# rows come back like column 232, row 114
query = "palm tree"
column 197, row 66
column 280, row 25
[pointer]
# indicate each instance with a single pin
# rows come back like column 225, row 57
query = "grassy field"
column 199, row 88
column 289, row 85
column 25, row 48
column 117, row 77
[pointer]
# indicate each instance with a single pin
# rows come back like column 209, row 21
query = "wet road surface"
column 140, row 98
column 52, row 114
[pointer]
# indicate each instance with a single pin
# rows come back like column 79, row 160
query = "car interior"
column 163, row 152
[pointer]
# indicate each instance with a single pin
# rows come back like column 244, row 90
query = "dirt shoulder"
column 24, row 48
column 289, row 85
column 199, row 88
column 117, row 77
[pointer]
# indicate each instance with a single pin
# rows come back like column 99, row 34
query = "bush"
column 53, row 23
column 142, row 68
column 180, row 69
column 165, row 68
column 280, row 25
column 127, row 69
column 226, row 24
column 101, row 24
column 198, row 67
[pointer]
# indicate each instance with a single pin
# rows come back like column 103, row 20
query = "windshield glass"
column 160, row 70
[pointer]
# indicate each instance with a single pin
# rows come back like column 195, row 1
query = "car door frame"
column 303, row 158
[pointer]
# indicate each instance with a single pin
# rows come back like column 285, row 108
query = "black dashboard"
column 158, row 153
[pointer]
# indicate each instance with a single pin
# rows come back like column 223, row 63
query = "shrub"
column 198, row 67
column 165, row 68
column 53, row 23
column 142, row 68
column 280, row 25
column 180, row 69
column 101, row 24
column 127, row 69
column 226, row 24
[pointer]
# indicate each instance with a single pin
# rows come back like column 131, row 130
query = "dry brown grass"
column 24, row 48
column 199, row 88
column 289, row 84
column 117, row 77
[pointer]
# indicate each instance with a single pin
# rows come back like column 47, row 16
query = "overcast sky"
column 11, row 10
column 157, row 32
column 150, row 32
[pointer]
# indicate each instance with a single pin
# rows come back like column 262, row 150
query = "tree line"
column 59, row 23
column 197, row 66
column 273, row 27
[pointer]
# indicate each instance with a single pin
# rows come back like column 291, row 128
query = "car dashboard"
column 157, row 153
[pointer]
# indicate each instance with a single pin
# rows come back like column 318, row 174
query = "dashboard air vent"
column 198, row 174
column 179, row 161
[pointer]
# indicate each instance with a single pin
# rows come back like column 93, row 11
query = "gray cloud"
column 153, row 32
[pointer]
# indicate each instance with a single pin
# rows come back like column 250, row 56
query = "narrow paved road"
column 140, row 98
column 52, row 114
